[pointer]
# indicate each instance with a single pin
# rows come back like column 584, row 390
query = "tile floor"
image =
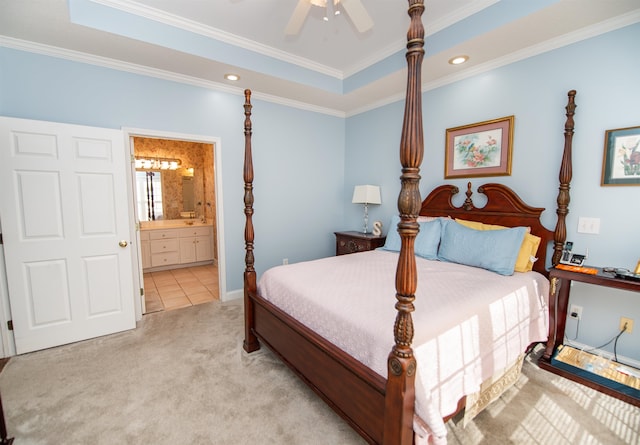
column 178, row 288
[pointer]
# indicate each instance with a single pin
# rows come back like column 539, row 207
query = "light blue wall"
column 605, row 72
column 299, row 184
column 297, row 208
column 304, row 176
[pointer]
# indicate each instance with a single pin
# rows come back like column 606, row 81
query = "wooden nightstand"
column 352, row 242
column 558, row 306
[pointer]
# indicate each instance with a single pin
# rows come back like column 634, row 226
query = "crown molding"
column 159, row 16
column 431, row 28
column 388, row 51
column 567, row 39
column 105, row 62
column 460, row 14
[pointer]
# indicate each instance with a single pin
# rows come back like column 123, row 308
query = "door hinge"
column 141, row 292
column 10, row 325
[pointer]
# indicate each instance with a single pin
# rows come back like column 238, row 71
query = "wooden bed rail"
column 401, row 364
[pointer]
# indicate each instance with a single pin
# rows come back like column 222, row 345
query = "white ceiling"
column 354, row 71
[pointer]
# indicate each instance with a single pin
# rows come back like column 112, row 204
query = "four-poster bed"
column 381, row 404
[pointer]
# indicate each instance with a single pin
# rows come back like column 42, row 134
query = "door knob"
column 123, row 243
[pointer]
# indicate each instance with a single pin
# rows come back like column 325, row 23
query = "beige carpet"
column 183, row 378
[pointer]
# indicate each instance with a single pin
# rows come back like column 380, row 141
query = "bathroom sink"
column 171, row 224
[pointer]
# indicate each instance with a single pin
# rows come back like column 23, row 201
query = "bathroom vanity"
column 169, row 244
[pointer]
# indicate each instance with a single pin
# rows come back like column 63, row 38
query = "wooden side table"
column 352, row 242
column 558, row 304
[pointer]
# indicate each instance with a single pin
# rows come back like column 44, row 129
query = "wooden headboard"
column 504, row 207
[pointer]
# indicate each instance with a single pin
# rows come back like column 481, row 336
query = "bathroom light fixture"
column 457, row 60
column 366, row 194
column 232, row 77
column 157, row 163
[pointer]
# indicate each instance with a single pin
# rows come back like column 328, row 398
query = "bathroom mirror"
column 178, row 191
column 149, row 195
column 166, row 194
column 188, row 194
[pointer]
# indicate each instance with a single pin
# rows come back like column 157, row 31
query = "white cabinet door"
column 188, row 250
column 65, row 222
column 195, row 244
column 204, row 248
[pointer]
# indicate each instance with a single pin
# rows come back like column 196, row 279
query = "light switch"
column 588, row 225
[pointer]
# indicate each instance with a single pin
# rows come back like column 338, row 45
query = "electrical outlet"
column 629, row 323
column 576, row 312
column 285, row 261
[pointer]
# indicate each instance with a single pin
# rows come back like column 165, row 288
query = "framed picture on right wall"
column 621, row 161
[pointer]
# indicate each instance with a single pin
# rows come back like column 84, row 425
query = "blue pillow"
column 495, row 250
column 392, row 243
column 427, row 241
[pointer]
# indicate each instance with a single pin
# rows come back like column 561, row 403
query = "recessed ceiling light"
column 233, row 77
column 457, row 60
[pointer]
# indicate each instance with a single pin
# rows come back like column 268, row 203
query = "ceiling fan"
column 354, row 9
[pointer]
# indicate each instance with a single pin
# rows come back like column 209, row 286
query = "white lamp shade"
column 366, row 194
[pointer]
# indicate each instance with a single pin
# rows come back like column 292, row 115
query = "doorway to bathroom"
column 176, row 196
column 171, row 289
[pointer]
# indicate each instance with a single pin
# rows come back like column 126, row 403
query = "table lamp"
column 366, row 194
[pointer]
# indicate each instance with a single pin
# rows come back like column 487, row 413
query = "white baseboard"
column 233, row 295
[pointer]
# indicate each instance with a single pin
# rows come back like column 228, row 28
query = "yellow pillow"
column 528, row 249
column 471, row 224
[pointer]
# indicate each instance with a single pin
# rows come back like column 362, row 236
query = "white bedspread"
column 469, row 323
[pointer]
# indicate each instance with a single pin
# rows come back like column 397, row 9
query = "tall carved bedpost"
column 401, row 364
column 566, row 173
column 250, row 341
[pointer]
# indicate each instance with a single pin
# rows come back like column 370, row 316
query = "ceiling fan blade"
column 298, row 17
column 358, row 15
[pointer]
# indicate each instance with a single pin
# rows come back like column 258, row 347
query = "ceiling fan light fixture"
column 457, row 60
column 354, row 9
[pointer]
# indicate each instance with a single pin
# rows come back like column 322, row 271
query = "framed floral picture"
column 621, row 161
column 482, row 149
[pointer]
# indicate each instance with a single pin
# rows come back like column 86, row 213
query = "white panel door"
column 65, row 221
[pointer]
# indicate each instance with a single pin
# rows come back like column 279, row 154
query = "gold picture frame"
column 480, row 149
